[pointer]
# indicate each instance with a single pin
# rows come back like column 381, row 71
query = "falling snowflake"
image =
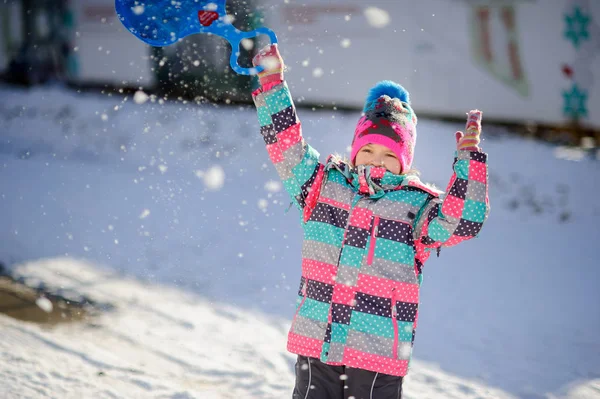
column 213, row 178
column 405, row 351
column 376, row 17
column 211, row 7
column 138, row 10
column 262, row 204
column 269, row 62
column 228, row 19
column 140, row 97
column 273, row 186
column 247, row 44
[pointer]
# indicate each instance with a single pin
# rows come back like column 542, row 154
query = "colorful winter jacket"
column 367, row 234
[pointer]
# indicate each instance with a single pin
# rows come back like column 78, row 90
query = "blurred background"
column 452, row 53
column 146, row 248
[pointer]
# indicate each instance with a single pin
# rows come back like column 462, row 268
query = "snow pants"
column 317, row 380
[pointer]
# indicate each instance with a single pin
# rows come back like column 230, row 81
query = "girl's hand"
column 270, row 59
column 470, row 141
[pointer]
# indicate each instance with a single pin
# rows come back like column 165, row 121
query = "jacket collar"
column 374, row 181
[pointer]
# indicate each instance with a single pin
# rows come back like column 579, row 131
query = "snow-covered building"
column 521, row 61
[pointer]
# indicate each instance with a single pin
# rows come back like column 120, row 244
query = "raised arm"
column 296, row 162
column 460, row 213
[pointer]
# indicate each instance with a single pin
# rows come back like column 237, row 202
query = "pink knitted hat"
column 388, row 120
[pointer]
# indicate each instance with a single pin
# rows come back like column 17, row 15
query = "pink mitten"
column 270, row 59
column 470, row 140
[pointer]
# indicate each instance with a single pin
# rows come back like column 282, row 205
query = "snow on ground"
column 157, row 342
column 163, row 343
column 172, row 213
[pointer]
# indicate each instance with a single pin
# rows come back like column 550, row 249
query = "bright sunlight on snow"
column 163, row 252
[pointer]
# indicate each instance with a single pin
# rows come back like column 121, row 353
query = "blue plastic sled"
column 163, row 22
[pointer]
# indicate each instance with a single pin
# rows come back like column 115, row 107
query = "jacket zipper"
column 301, row 303
column 373, row 239
column 395, row 324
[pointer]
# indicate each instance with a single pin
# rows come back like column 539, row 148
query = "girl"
column 369, row 226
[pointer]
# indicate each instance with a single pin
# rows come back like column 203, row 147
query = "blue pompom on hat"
column 388, row 120
column 386, row 88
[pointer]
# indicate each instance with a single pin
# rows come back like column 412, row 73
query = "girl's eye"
column 366, row 150
column 391, row 155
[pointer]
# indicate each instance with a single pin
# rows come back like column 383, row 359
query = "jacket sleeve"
column 297, row 163
column 459, row 214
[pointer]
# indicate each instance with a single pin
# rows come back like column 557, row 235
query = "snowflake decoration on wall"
column 575, row 102
column 577, row 29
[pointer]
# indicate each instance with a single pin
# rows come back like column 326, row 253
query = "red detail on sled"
column 207, row 17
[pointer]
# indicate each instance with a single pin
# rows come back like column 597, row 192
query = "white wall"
column 427, row 47
column 106, row 52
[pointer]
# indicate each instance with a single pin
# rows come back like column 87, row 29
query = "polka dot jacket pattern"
column 367, row 234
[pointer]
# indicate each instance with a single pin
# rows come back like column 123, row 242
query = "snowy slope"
column 163, row 343
column 178, row 204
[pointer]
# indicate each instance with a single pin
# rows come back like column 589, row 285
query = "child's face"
column 378, row 155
